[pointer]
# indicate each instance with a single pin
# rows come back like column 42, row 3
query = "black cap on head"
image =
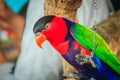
column 40, row 24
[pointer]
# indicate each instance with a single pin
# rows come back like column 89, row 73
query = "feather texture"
column 85, row 36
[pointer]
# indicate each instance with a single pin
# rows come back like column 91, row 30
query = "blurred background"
column 8, row 50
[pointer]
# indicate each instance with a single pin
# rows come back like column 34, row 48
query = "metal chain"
column 82, row 59
column 94, row 25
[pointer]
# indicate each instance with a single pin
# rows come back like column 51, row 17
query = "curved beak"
column 40, row 38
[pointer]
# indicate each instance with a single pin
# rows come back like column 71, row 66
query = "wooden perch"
column 64, row 8
column 109, row 29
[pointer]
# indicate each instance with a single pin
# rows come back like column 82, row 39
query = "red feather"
column 63, row 48
column 86, row 52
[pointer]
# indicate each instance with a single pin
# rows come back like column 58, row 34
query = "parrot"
column 74, row 42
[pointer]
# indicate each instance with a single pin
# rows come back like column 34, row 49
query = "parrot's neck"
column 67, row 39
column 60, row 43
column 63, row 39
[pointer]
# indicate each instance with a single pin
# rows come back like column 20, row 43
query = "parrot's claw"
column 77, row 76
column 72, row 75
column 83, row 59
column 92, row 79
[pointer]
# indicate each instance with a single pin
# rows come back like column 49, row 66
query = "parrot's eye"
column 47, row 26
column 37, row 34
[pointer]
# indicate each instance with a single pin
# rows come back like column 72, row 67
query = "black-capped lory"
column 75, row 43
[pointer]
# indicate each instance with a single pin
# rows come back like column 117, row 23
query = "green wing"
column 85, row 36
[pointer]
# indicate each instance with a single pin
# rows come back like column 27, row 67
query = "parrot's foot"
column 76, row 76
column 72, row 75
column 92, row 79
column 83, row 59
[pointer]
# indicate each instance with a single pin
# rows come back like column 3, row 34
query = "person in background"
column 34, row 63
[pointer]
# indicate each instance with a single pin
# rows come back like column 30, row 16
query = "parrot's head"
column 51, row 28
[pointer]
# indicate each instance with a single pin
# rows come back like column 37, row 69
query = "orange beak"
column 40, row 39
